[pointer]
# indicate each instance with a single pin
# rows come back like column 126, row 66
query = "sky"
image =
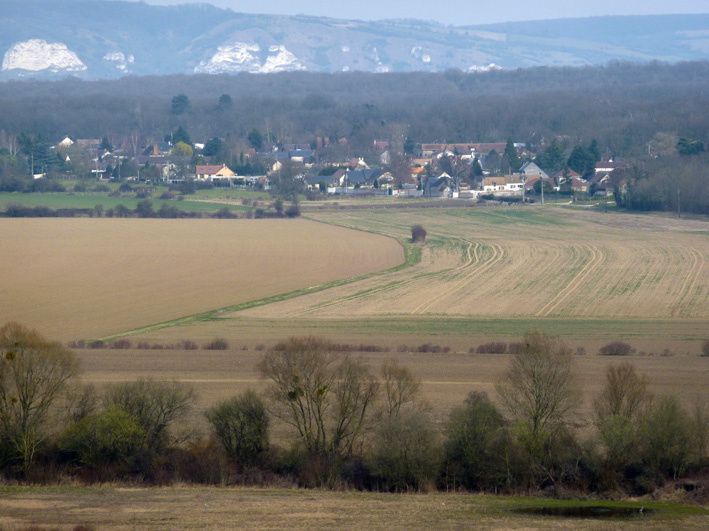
column 458, row 12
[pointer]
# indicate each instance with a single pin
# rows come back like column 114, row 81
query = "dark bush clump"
column 616, row 348
column 495, row 347
column 217, row 344
column 187, row 344
column 121, row 344
column 705, row 348
column 418, row 234
column 97, row 344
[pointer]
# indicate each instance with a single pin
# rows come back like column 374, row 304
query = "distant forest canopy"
column 653, row 116
column 622, row 106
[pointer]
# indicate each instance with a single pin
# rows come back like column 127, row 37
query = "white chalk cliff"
column 36, row 55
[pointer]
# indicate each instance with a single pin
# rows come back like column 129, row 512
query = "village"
column 505, row 171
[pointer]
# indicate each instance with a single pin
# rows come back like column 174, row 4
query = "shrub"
column 155, row 405
column 616, row 348
column 293, row 211
column 96, row 344
column 705, row 348
column 121, row 344
column 241, row 426
column 418, row 234
column 217, row 344
column 405, row 453
column 666, row 438
column 187, row 344
column 492, row 348
column 110, row 437
column 475, row 438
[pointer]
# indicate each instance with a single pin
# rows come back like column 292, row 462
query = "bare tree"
column 324, row 397
column 539, row 393
column 401, row 387
column 625, row 393
column 539, row 389
column 34, row 373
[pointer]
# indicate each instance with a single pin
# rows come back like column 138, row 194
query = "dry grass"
column 219, row 508
column 75, row 278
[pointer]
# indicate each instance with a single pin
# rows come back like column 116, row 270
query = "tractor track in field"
column 597, row 258
column 482, row 267
column 690, row 281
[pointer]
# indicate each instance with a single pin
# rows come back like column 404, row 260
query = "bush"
column 241, row 426
column 155, row 405
column 705, row 348
column 217, row 344
column 122, row 344
column 187, row 344
column 666, row 438
column 293, row 211
column 492, row 348
column 111, row 437
column 616, row 348
column 475, row 438
column 418, row 234
column 405, row 453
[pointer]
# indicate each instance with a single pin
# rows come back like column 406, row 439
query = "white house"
column 211, row 173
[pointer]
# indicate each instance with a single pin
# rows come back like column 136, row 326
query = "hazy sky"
column 459, row 11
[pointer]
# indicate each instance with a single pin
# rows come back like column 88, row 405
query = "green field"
column 56, row 200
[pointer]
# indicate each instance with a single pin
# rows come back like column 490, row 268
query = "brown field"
column 75, row 278
column 113, row 507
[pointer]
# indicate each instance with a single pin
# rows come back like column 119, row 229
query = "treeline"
column 677, row 183
column 351, row 426
column 621, row 105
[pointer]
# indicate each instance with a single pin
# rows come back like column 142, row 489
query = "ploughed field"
column 511, row 262
column 83, row 278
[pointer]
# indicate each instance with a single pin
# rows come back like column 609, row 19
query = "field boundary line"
column 412, row 256
column 396, row 284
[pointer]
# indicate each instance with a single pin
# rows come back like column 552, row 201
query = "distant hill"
column 107, row 39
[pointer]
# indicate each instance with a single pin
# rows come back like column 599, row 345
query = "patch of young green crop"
column 89, row 200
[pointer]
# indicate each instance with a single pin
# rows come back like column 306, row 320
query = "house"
column 66, row 143
column 441, row 186
column 428, row 150
column 502, row 185
column 569, row 177
column 530, row 182
column 211, row 173
column 530, row 170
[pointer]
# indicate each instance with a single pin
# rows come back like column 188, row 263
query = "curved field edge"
column 159, row 507
column 412, row 256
